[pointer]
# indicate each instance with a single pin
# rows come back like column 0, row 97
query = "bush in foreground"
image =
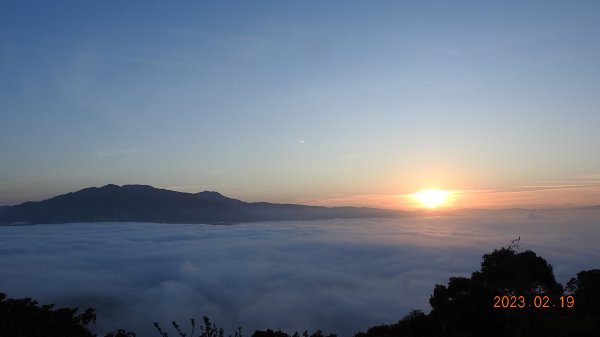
column 209, row 329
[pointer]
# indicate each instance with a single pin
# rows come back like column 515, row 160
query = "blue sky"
column 300, row 101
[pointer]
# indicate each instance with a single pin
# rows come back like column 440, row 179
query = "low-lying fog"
column 339, row 276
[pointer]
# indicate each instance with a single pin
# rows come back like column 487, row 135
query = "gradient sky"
column 321, row 102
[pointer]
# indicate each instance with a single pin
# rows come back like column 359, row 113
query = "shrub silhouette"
column 279, row 333
column 269, row 333
column 207, row 329
column 120, row 333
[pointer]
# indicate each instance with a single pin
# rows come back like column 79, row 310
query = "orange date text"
column 537, row 302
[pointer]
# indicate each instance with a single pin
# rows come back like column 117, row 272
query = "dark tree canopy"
column 586, row 290
column 464, row 307
column 24, row 317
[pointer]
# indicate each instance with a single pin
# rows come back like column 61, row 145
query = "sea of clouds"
column 339, row 276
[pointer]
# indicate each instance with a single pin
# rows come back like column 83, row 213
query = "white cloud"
column 340, row 276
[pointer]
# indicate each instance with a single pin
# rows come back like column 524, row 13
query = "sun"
column 432, row 198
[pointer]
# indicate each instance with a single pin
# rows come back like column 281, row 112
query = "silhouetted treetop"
column 24, row 317
column 585, row 288
column 525, row 272
column 465, row 306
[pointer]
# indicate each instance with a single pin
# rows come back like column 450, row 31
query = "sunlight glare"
column 432, row 198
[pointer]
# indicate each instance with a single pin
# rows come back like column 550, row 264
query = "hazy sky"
column 323, row 102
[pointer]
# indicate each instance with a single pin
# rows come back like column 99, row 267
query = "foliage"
column 465, row 306
column 585, row 288
column 24, row 317
column 207, row 329
column 279, row 333
column 120, row 333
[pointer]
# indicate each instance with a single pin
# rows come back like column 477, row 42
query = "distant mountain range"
column 142, row 203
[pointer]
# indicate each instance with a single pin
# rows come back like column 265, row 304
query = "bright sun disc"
column 432, row 198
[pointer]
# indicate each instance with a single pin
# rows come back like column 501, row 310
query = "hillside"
column 142, row 203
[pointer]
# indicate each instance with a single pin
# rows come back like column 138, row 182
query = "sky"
column 340, row 276
column 317, row 102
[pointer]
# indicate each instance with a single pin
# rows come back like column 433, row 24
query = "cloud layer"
column 340, row 276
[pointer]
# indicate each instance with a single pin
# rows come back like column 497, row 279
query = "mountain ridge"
column 145, row 203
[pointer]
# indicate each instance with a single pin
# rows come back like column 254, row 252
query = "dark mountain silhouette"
column 142, row 203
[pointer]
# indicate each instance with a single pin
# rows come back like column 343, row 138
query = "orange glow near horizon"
column 532, row 197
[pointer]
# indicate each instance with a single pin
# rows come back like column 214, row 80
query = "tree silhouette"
column 465, row 306
column 24, row 317
column 585, row 288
